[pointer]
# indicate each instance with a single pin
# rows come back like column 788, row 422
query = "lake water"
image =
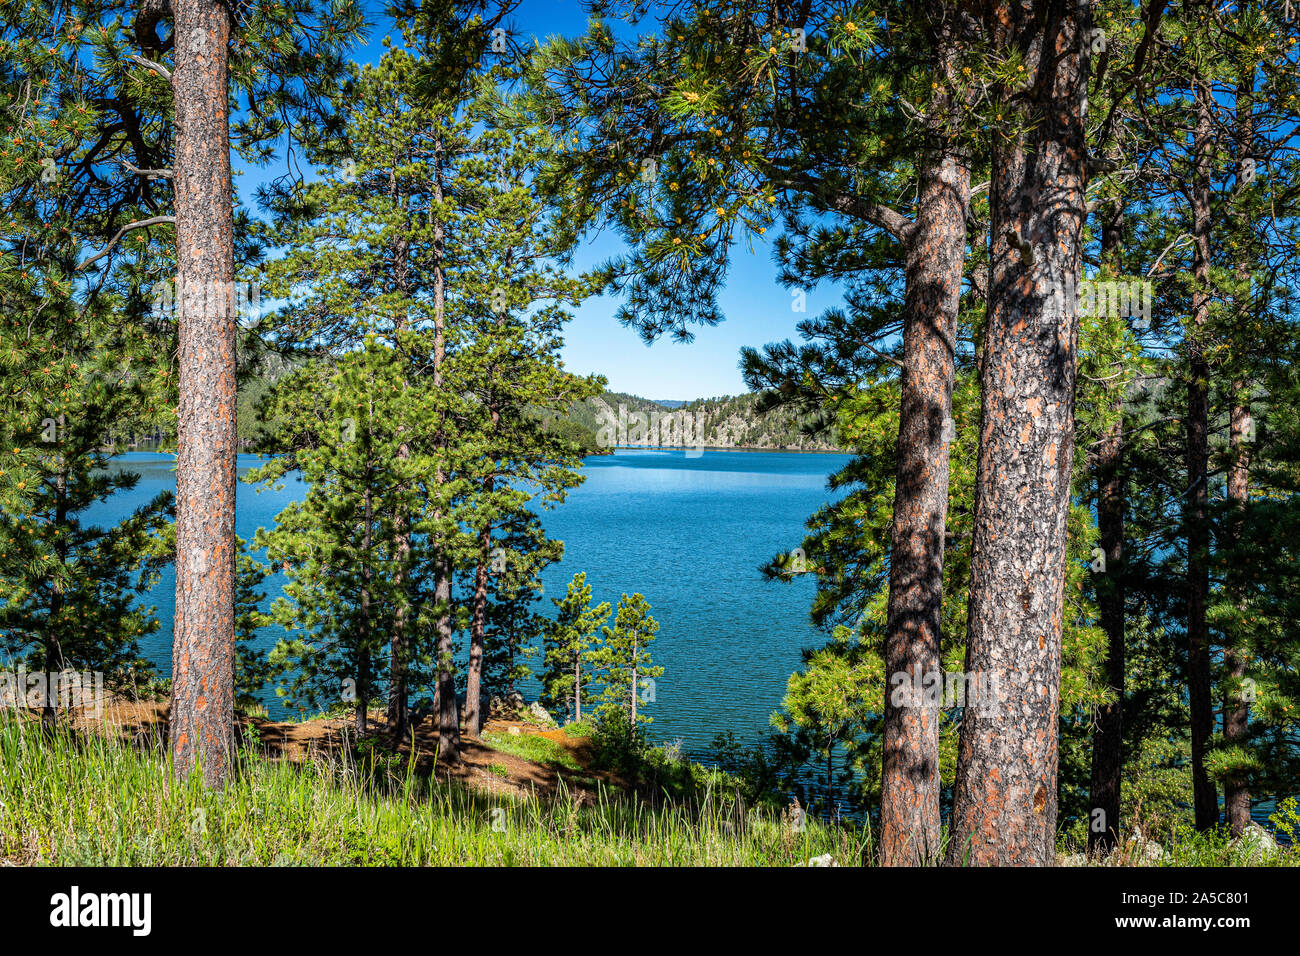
column 688, row 533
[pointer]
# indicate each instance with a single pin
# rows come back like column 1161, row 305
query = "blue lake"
column 687, row 532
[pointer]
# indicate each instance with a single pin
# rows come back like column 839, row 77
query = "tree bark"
column 477, row 636
column 577, row 686
column 1236, row 709
column 934, row 256
column 1004, row 809
column 397, row 685
column 909, row 806
column 1107, row 741
column 202, row 702
column 398, row 703
column 1236, row 656
column 363, row 678
column 1196, row 505
column 478, row 627
column 448, row 719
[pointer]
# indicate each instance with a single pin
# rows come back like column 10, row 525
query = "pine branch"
column 158, row 68
column 151, row 173
column 152, row 221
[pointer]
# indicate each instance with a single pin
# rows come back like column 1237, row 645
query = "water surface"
column 687, row 532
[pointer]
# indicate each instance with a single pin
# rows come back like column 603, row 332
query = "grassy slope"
column 86, row 799
column 94, row 800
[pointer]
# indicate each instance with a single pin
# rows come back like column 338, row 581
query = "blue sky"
column 757, row 308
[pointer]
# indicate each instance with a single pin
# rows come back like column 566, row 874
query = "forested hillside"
column 615, row 419
column 727, row 422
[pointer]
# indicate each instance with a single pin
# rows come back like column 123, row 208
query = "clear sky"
column 757, row 308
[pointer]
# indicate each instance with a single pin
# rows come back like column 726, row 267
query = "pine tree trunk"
column 203, row 654
column 1196, row 505
column 53, row 651
column 1004, row 810
column 1107, row 741
column 830, row 783
column 397, row 685
column 577, row 686
column 49, row 663
column 363, row 678
column 909, row 802
column 398, row 694
column 634, row 652
column 1236, row 656
column 1236, row 710
column 478, row 629
column 448, row 719
column 478, row 632
column 934, row 255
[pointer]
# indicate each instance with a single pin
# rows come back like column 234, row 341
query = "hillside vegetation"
column 92, row 798
column 729, row 421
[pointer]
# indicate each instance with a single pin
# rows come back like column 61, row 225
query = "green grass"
column 541, row 750
column 1186, row 847
column 92, row 801
column 580, row 728
column 89, row 801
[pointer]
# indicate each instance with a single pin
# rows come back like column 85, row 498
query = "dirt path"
column 144, row 725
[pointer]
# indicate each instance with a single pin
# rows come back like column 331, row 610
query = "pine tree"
column 253, row 668
column 509, row 360
column 370, row 246
column 435, row 240
column 1245, row 66
column 623, row 663
column 569, row 641
column 76, row 371
column 828, row 704
column 1221, row 316
column 286, row 60
column 339, row 544
column 68, row 587
column 1005, row 803
column 511, row 549
column 512, row 627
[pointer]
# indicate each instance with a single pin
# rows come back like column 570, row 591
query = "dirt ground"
column 144, row 724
